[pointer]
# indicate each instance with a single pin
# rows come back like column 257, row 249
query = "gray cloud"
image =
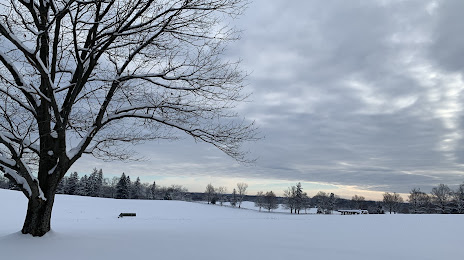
column 363, row 93
column 348, row 92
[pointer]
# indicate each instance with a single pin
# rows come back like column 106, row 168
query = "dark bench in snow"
column 126, row 215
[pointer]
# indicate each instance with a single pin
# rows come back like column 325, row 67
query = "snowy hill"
column 88, row 228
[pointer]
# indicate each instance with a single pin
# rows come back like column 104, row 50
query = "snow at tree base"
column 89, row 228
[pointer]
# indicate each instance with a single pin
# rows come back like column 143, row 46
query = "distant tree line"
column 219, row 195
column 294, row 199
column 442, row 199
column 95, row 185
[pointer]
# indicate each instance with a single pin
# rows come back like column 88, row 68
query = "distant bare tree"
column 177, row 192
column 241, row 188
column 441, row 196
column 392, row 201
column 306, row 202
column 270, row 201
column 210, row 193
column 294, row 198
column 259, row 201
column 221, row 194
column 90, row 77
column 290, row 200
column 358, row 201
column 113, row 183
column 325, row 202
column 458, row 199
column 419, row 201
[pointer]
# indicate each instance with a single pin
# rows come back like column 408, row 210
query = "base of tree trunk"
column 38, row 217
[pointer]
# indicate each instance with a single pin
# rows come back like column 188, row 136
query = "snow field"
column 88, row 228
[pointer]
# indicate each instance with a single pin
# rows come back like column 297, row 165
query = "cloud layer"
column 350, row 93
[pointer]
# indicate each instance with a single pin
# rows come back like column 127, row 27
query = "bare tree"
column 241, row 188
column 91, row 77
column 290, row 201
column 358, row 201
column 176, row 192
column 221, row 194
column 270, row 201
column 259, row 201
column 441, row 196
column 325, row 202
column 392, row 201
column 306, row 204
column 458, row 199
column 419, row 201
column 210, row 193
column 294, row 198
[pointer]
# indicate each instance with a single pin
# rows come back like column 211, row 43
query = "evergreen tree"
column 129, row 187
column 136, row 189
column 298, row 198
column 95, row 183
column 153, row 191
column 84, row 186
column 61, row 185
column 332, row 201
column 233, row 198
column 122, row 189
column 72, row 184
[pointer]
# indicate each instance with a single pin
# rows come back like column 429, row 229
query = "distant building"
column 353, row 211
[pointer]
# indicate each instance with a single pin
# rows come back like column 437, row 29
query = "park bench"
column 126, row 215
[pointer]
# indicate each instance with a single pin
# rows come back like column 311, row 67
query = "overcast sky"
column 354, row 97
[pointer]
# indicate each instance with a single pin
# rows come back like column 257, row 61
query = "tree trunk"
column 38, row 216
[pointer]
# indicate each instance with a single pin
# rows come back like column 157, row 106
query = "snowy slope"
column 88, row 228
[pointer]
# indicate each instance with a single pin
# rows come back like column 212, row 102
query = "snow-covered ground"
column 88, row 228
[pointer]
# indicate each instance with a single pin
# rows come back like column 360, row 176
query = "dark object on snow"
column 126, row 215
